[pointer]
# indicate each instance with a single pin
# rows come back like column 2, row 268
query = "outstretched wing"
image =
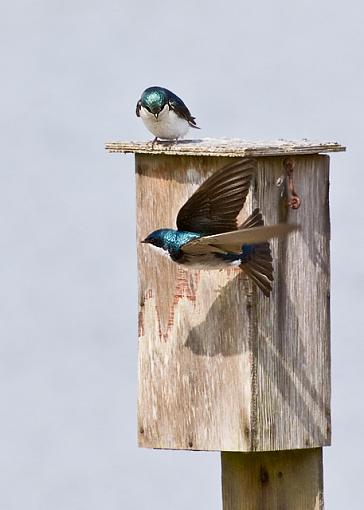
column 232, row 242
column 213, row 208
column 138, row 107
column 177, row 105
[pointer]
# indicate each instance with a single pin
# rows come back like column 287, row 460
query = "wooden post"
column 221, row 367
column 284, row 480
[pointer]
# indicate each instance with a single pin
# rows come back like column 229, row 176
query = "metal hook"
column 294, row 200
column 286, row 184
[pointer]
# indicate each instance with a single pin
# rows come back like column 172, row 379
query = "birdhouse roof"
column 227, row 147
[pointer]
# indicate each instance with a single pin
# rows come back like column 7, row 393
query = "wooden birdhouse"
column 221, row 366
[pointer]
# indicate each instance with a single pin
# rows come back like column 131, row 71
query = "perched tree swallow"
column 164, row 114
column 207, row 235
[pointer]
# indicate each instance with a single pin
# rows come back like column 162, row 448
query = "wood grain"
column 291, row 343
column 221, row 367
column 227, row 147
column 290, row 480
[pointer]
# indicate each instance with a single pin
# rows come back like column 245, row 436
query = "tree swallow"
column 207, row 235
column 164, row 114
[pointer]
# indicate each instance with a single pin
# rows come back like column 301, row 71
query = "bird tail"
column 256, row 259
column 192, row 123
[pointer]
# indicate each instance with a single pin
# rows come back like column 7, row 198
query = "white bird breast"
column 168, row 125
column 206, row 262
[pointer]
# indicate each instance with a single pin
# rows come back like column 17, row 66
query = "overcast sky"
column 71, row 73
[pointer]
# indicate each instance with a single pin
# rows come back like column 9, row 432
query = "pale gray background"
column 71, row 73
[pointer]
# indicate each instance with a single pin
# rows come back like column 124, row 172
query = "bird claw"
column 171, row 143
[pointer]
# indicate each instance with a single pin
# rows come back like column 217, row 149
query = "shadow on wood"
column 224, row 342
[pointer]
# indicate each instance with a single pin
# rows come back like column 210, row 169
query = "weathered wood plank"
column 194, row 369
column 291, row 345
column 220, row 366
column 288, row 480
column 227, row 147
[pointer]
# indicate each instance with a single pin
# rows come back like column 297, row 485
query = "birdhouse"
column 222, row 367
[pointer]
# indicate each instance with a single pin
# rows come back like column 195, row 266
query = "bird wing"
column 138, row 107
column 232, row 242
column 213, row 208
column 177, row 105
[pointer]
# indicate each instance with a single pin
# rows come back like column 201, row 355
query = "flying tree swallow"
column 164, row 114
column 207, row 235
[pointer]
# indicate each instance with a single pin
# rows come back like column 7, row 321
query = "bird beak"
column 156, row 115
column 144, row 241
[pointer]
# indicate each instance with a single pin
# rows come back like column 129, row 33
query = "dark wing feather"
column 213, row 208
column 177, row 105
column 254, row 220
column 137, row 109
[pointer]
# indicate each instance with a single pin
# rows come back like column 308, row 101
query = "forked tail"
column 256, row 259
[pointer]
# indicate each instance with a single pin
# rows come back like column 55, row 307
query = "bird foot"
column 154, row 141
